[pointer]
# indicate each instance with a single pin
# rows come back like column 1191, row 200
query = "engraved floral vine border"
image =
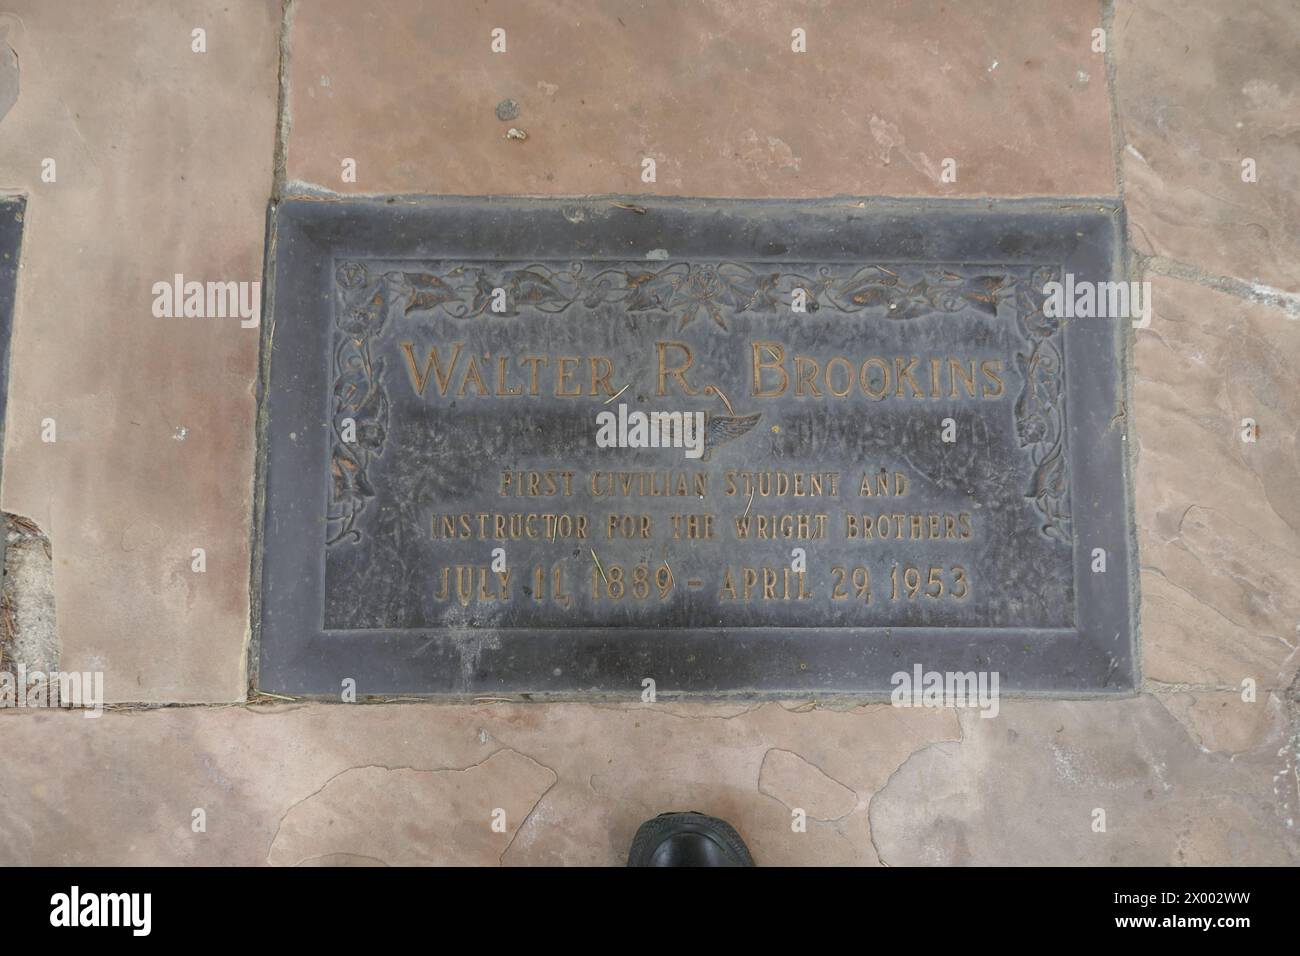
column 367, row 302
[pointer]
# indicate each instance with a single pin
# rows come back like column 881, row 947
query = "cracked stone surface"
column 787, row 777
column 411, row 784
column 403, row 784
column 408, row 817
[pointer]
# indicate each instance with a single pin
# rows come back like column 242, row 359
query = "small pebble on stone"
column 507, row 110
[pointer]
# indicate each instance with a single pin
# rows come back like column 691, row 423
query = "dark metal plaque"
column 561, row 447
column 12, row 212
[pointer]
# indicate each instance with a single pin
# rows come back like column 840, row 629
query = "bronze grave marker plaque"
column 769, row 448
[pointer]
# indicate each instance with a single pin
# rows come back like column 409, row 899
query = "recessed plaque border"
column 291, row 652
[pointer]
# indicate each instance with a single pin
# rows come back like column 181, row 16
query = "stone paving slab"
column 162, row 165
column 1026, row 791
column 400, row 784
column 1199, row 90
column 1218, row 517
column 712, row 91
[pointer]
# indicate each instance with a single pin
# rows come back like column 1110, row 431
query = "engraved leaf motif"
column 371, row 414
column 530, row 287
column 349, row 476
column 954, row 293
column 763, row 298
column 737, row 287
column 1049, row 477
column 367, row 314
column 596, row 293
column 350, row 387
column 699, row 292
column 646, row 291
column 350, row 275
column 425, row 291
column 483, row 290
column 870, row 292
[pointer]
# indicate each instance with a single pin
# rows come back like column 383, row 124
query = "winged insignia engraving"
column 720, row 429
